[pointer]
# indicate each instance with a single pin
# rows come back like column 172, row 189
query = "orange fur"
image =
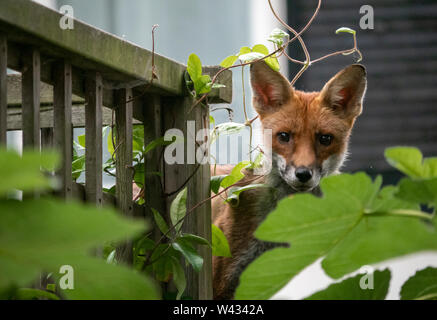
column 305, row 116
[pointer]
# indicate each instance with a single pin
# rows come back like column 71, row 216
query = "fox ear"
column 270, row 89
column 345, row 91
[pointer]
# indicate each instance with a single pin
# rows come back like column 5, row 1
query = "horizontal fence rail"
column 80, row 78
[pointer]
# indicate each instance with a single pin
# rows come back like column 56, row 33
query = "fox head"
column 310, row 130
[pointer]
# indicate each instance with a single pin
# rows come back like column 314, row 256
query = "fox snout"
column 299, row 178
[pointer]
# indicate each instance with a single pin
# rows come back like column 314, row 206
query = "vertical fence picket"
column 46, row 138
column 198, row 222
column 123, row 160
column 3, row 89
column 93, row 138
column 62, row 101
column 153, row 161
column 30, row 91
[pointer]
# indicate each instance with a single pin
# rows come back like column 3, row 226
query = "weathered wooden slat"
column 153, row 160
column 30, row 98
column 93, row 141
column 3, row 88
column 62, row 104
column 176, row 114
column 123, row 160
column 46, row 138
column 46, row 95
column 46, row 117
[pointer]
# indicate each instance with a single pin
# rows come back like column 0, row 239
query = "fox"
column 310, row 137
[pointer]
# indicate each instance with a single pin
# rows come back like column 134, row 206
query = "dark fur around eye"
column 283, row 137
column 325, row 139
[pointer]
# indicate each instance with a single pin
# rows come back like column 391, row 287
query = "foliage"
column 350, row 289
column 355, row 223
column 42, row 234
column 421, row 286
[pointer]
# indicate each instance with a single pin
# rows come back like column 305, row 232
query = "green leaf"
column 95, row 279
column 111, row 147
column 190, row 254
column 260, row 48
column 234, row 193
column 421, row 286
column 193, row 239
column 24, row 172
column 78, row 166
column 203, row 84
column 277, row 36
column 215, row 182
column 178, row 209
column 194, row 67
column 344, row 29
column 422, row 191
column 406, row 159
column 81, row 140
column 37, row 235
column 229, row 61
column 220, row 245
column 235, row 175
column 244, row 50
column 160, row 222
column 178, row 277
column 34, row 294
column 272, row 61
column 352, row 225
column 163, row 262
column 218, row 86
column 349, row 289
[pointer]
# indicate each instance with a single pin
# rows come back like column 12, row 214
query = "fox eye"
column 284, row 137
column 325, row 139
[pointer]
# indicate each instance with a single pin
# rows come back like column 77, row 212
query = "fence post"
column 197, row 178
column 93, row 138
column 30, row 91
column 62, row 115
column 3, row 89
column 123, row 160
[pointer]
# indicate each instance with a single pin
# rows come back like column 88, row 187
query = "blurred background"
column 400, row 55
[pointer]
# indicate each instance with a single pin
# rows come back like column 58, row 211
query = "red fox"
column 310, row 133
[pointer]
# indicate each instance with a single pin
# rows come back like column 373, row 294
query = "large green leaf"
column 353, row 224
column 422, row 191
column 41, row 235
column 350, row 289
column 406, row 159
column 95, row 279
column 421, row 286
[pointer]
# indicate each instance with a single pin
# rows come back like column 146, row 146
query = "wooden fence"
column 72, row 78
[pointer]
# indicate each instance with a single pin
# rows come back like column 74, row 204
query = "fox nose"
column 303, row 174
